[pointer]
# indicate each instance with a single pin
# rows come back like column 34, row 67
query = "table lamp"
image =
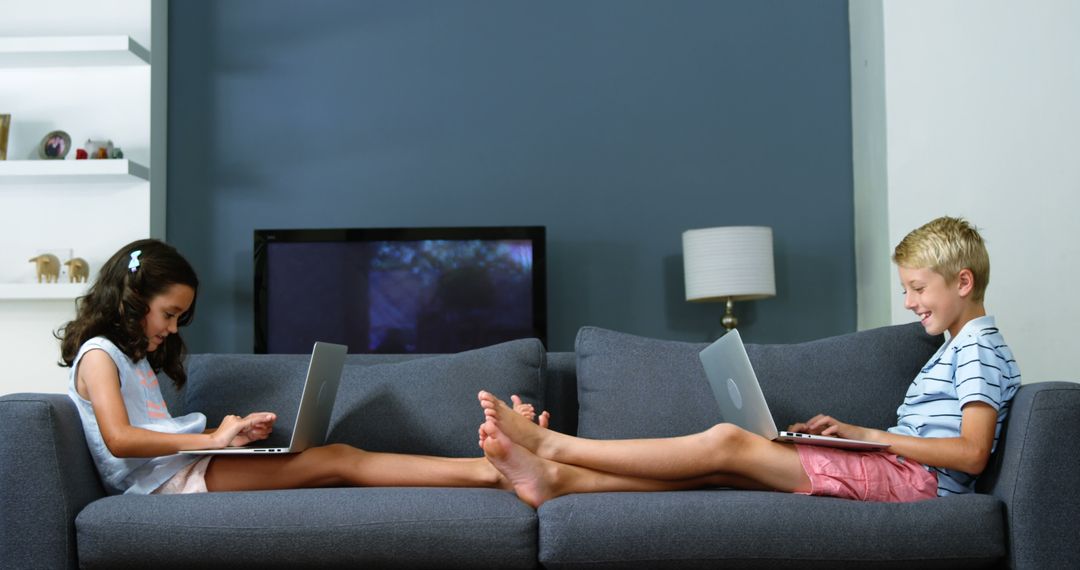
column 729, row 264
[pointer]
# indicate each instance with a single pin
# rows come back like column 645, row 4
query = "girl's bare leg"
column 342, row 465
column 724, row 449
column 537, row 480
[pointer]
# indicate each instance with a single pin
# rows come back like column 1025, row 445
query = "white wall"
column 123, row 103
column 873, row 274
column 981, row 110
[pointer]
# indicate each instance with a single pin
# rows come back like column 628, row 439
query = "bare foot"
column 529, row 412
column 531, row 477
column 533, row 437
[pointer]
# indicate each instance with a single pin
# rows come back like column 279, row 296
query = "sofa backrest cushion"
column 423, row 405
column 631, row 386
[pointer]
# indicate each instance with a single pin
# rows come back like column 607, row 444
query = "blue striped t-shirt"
column 976, row 366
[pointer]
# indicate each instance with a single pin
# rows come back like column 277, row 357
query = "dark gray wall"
column 618, row 124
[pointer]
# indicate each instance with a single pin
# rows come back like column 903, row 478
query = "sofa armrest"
column 1034, row 473
column 46, row 478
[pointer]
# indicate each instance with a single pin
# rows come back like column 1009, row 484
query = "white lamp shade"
column 729, row 263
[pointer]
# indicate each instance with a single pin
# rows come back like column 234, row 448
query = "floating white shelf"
column 67, row 171
column 42, row 291
column 71, row 51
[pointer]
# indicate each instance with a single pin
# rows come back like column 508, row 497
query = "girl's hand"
column 235, row 431
column 260, row 425
column 230, row 427
column 529, row 411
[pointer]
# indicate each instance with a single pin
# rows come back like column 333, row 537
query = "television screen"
column 399, row 291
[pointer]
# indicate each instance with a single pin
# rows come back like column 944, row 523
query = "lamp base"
column 729, row 321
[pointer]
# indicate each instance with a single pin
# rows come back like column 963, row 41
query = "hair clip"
column 134, row 263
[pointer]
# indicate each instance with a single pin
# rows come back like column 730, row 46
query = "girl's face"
column 165, row 310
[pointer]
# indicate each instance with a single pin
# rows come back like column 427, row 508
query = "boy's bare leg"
column 724, row 449
column 537, row 480
column 342, row 465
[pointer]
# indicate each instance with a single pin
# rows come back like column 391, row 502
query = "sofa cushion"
column 757, row 529
column 428, row 405
column 631, row 386
column 310, row 528
column 423, row 405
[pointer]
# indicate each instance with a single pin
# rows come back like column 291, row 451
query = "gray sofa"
column 54, row 513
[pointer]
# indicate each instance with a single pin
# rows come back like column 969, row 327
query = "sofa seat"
column 756, row 529
column 321, row 528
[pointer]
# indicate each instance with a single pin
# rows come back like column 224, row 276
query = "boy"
column 944, row 270
column 947, row 427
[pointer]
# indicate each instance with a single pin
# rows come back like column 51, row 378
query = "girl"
column 126, row 330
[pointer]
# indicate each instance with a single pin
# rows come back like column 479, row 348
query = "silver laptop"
column 316, row 404
column 738, row 393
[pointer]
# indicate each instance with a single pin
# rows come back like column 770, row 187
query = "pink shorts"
column 191, row 479
column 865, row 475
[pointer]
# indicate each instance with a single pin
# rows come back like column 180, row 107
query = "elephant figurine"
column 48, row 266
column 78, row 270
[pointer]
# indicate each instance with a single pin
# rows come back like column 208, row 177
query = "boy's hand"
column 529, row 411
column 827, row 425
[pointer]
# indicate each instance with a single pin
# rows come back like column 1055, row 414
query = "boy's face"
column 165, row 309
column 940, row 305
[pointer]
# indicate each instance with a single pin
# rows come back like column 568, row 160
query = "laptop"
column 737, row 391
column 316, row 404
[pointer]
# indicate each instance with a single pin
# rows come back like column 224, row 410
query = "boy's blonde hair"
column 947, row 245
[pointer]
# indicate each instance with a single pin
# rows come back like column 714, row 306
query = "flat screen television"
column 399, row 290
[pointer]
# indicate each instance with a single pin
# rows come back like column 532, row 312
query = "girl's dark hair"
column 119, row 300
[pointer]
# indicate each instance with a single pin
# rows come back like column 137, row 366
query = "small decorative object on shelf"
column 54, row 146
column 81, row 154
column 98, row 149
column 48, row 267
column 117, row 153
column 5, row 124
column 78, row 270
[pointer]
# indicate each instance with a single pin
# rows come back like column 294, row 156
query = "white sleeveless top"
column 146, row 409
